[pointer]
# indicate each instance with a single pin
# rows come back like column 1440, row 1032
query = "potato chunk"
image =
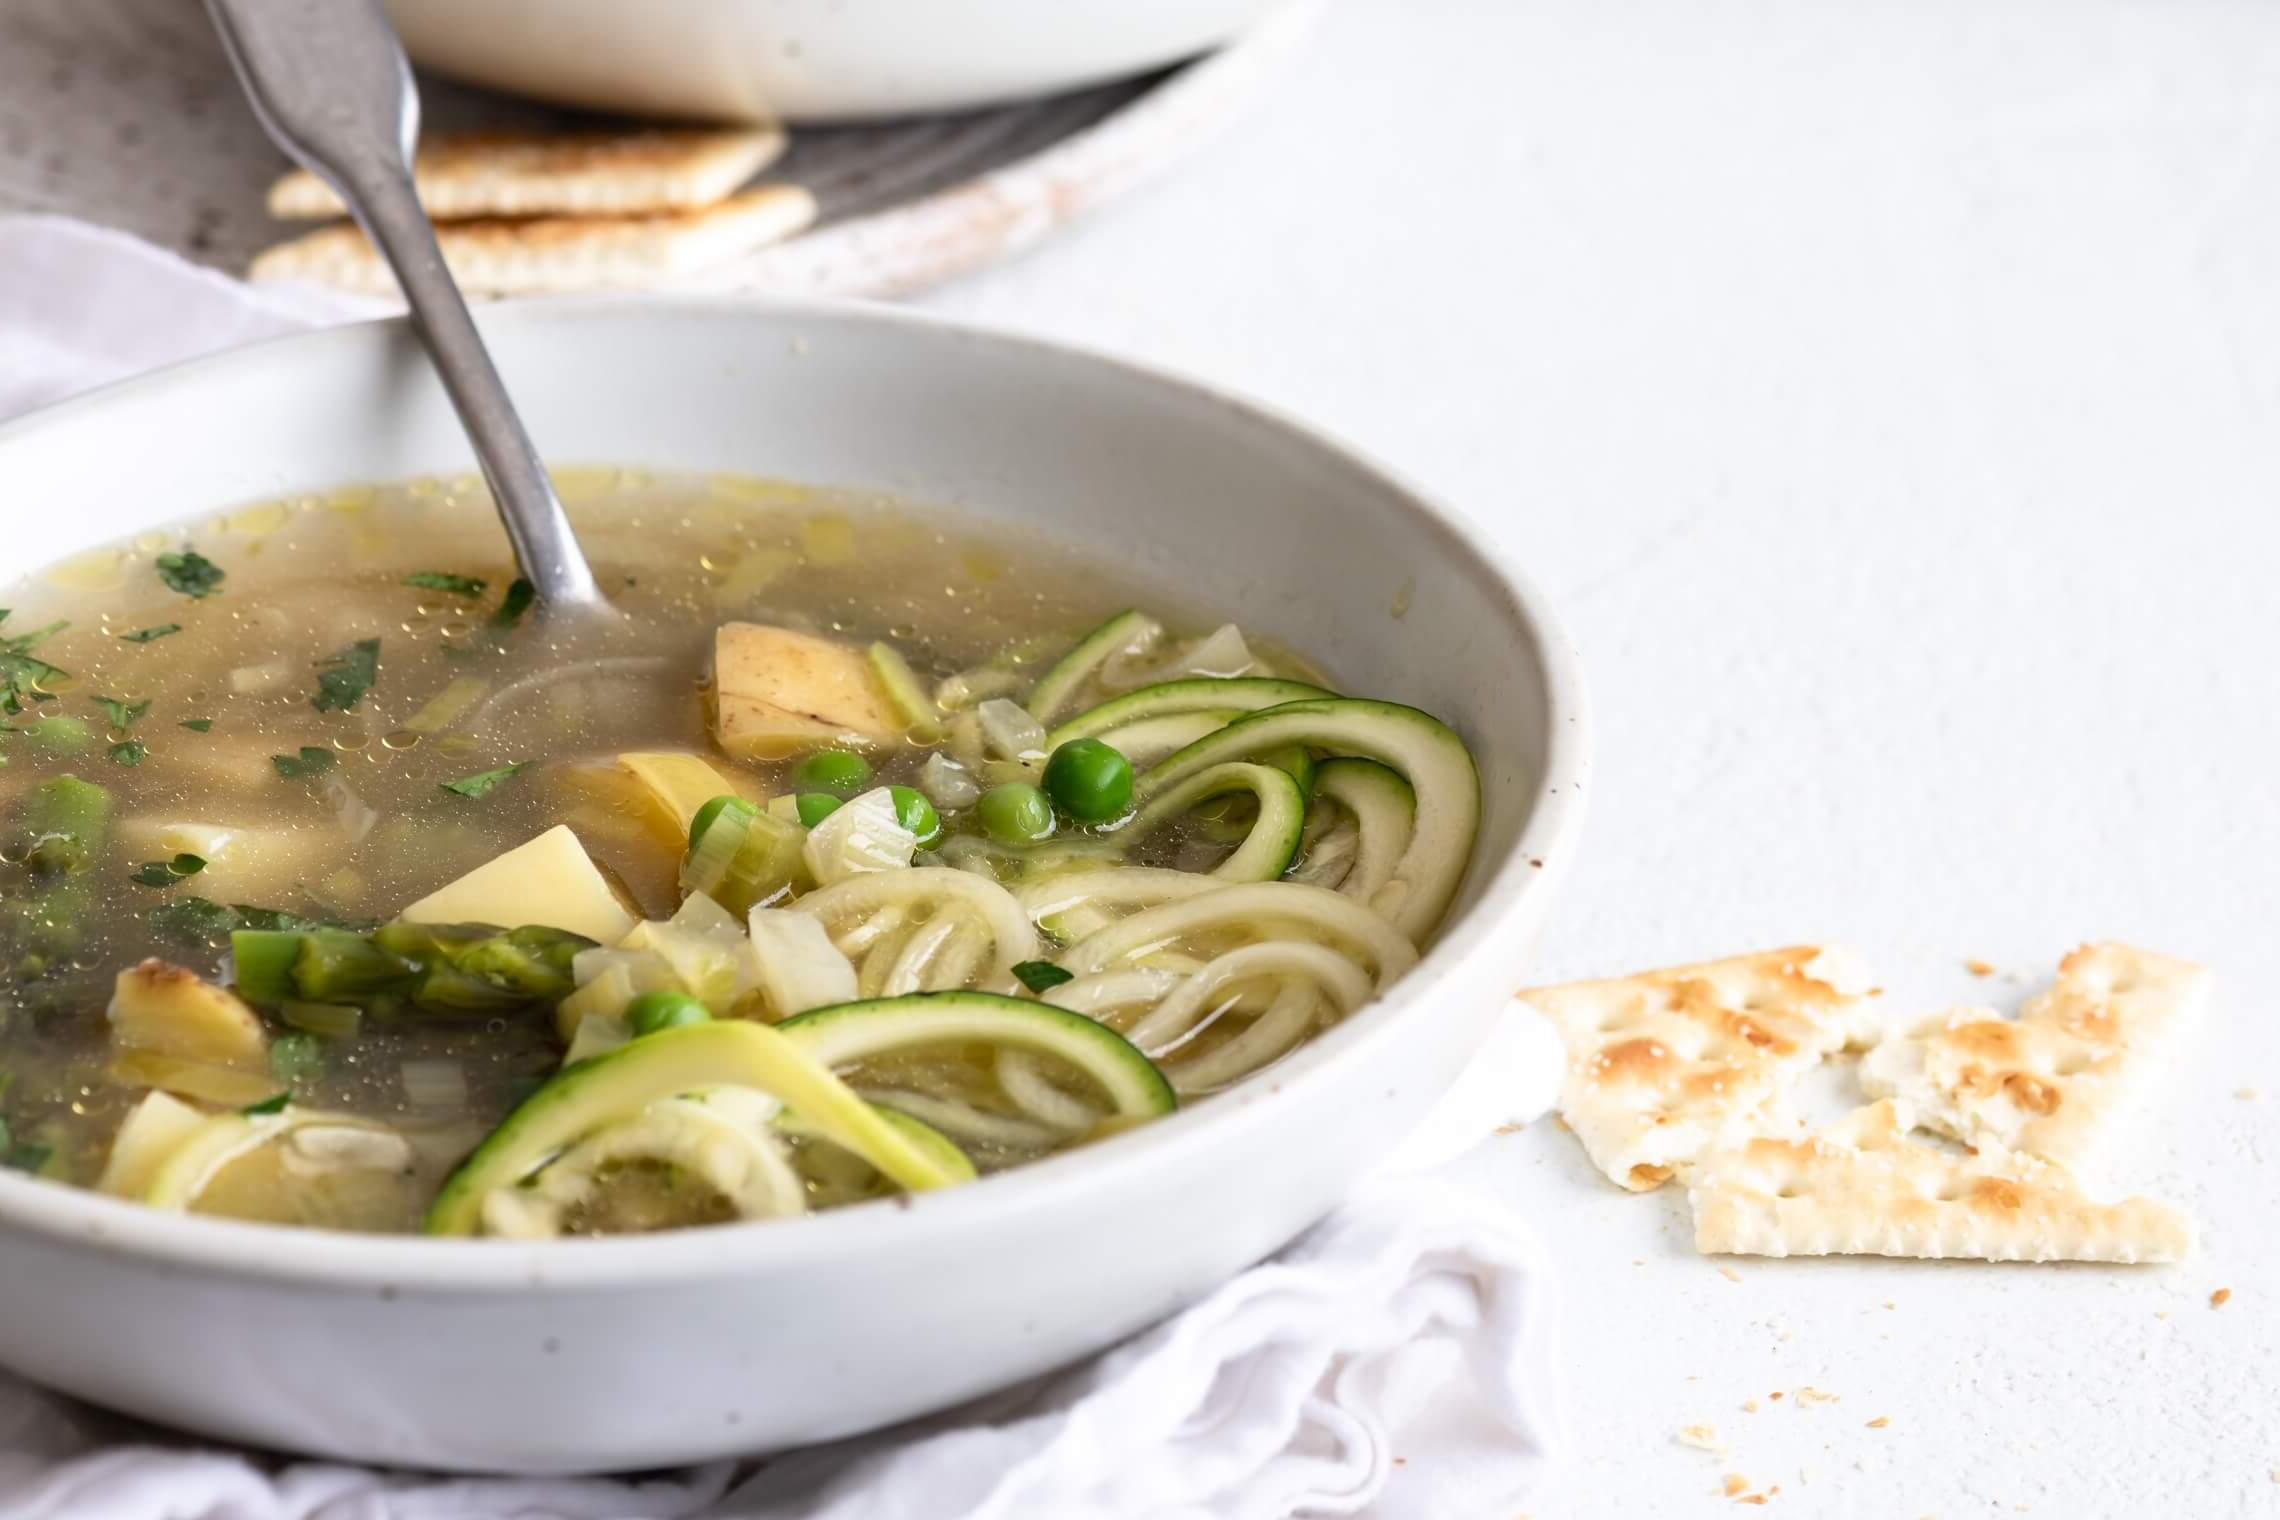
column 549, row 880
column 170, row 1011
column 781, row 692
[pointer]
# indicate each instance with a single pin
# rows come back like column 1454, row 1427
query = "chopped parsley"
column 438, row 580
column 145, row 635
column 273, row 1105
column 311, row 761
column 514, row 604
column 1042, row 976
column 196, row 725
column 190, row 573
column 345, row 677
column 484, row 783
column 24, row 676
column 130, row 752
column 165, row 873
column 122, row 713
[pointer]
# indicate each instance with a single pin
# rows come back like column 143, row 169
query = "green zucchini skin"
column 1272, row 844
column 1426, row 753
column 1054, row 688
column 1194, row 694
column 583, row 1098
column 848, row 1032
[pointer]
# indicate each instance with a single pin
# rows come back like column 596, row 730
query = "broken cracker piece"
column 2047, row 1082
column 1667, row 1065
column 569, row 253
column 1863, row 1188
column 634, row 173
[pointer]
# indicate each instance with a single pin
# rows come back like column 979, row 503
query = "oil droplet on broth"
column 402, row 738
column 257, row 520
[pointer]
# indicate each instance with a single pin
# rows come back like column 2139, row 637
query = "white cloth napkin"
column 1394, row 1362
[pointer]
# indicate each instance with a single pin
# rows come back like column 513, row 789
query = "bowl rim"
column 79, row 1217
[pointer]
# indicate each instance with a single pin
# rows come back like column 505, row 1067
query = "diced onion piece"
column 355, row 816
column 1009, row 731
column 864, row 834
column 269, row 675
column 449, row 705
column 435, row 1084
column 796, row 965
column 946, row 783
column 905, row 695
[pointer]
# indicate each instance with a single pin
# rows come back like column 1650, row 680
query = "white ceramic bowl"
column 587, row 1355
column 806, row 60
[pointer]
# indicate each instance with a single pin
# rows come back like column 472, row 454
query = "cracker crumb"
column 1978, row 967
column 1508, row 1129
column 1810, row 1395
column 2161, row 1314
column 2245, row 1094
column 1879, row 1422
column 1751, row 1499
column 1700, row 1437
column 1401, row 1461
column 1890, row 1305
column 2218, row 1299
column 1729, row 1274
column 1735, row 1484
column 1749, row 1406
column 1775, row 1396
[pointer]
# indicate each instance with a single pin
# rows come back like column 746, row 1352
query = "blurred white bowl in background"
column 807, row 60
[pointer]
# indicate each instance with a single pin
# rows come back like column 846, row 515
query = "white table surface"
column 1889, row 393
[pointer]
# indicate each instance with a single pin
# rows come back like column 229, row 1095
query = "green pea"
column 917, row 814
column 1015, row 813
column 1090, row 781
column 713, row 810
column 832, row 770
column 815, row 807
column 653, row 1011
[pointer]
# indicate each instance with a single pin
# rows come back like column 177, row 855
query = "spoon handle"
column 330, row 84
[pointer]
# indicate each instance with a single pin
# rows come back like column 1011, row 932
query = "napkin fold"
column 1393, row 1362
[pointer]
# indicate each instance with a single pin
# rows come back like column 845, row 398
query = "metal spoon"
column 329, row 82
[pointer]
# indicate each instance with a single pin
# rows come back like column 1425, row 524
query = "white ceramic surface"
column 806, row 60
column 638, row 1352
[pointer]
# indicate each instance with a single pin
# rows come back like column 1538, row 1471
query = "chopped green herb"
column 484, row 783
column 190, row 573
column 145, row 635
column 27, row 1156
column 1042, row 976
column 512, row 606
column 311, row 761
column 122, row 713
column 165, row 873
column 196, row 725
column 275, row 1105
column 345, row 677
column 438, row 580
column 129, row 753
column 296, row 1058
column 194, row 919
column 24, row 677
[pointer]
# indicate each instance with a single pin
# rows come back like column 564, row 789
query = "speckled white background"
column 1889, row 391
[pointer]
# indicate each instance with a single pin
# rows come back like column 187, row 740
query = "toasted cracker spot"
column 633, row 173
column 499, row 257
column 1666, row 1065
column 2220, row 1298
column 1735, row 1483
column 1880, row 1422
column 1978, row 967
column 2047, row 1082
column 1864, row 1188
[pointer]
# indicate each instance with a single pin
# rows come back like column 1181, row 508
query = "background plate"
column 123, row 112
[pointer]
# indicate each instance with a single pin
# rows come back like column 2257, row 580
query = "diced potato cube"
column 168, row 1010
column 780, row 692
column 549, row 881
